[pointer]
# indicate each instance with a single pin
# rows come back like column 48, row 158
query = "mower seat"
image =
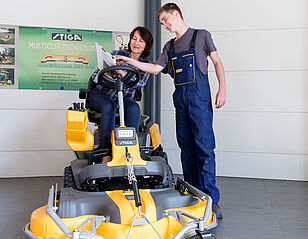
column 94, row 116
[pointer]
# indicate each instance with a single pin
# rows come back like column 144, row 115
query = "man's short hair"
column 170, row 8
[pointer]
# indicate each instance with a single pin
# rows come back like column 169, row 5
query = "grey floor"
column 252, row 208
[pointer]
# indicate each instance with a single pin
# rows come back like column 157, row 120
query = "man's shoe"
column 217, row 211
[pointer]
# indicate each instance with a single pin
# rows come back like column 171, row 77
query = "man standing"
column 185, row 59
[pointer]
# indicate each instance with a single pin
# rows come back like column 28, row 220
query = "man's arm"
column 220, row 73
column 147, row 67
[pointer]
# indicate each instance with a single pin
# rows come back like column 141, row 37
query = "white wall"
column 32, row 122
column 262, row 130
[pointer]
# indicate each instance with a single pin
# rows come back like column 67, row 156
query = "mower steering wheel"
column 110, row 82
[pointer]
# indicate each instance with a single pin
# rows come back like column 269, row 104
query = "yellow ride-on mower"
column 133, row 196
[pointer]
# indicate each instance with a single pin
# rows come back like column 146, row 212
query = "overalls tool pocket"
column 183, row 68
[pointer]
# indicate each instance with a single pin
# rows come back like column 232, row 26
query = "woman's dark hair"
column 146, row 35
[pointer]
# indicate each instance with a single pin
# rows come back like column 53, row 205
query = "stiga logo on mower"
column 126, row 142
column 66, row 37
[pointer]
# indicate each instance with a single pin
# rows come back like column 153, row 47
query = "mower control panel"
column 125, row 136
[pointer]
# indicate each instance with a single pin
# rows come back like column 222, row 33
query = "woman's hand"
column 121, row 73
column 122, row 59
column 101, row 70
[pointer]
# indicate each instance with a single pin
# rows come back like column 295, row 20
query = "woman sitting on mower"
column 104, row 100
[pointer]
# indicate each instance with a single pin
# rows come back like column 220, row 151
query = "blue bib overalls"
column 194, row 117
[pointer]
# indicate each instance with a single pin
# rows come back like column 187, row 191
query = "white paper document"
column 104, row 57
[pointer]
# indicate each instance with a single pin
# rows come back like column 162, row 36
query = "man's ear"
column 177, row 14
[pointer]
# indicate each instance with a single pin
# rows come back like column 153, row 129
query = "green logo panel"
column 58, row 59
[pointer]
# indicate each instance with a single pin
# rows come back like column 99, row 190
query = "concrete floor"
column 252, row 208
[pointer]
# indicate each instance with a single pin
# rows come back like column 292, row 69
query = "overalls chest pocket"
column 183, row 68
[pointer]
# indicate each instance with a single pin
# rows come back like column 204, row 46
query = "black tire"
column 160, row 152
column 69, row 181
column 163, row 155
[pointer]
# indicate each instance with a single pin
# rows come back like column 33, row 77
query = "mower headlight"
column 125, row 133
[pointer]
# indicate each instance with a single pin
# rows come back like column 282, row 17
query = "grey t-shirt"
column 204, row 45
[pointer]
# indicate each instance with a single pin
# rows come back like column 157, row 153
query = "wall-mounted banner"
column 54, row 58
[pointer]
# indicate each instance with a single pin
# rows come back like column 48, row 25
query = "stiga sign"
column 66, row 37
column 58, row 59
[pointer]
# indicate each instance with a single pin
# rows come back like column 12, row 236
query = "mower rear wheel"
column 69, row 181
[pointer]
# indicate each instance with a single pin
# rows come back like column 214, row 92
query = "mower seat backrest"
column 94, row 116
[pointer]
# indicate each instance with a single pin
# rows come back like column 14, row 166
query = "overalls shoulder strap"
column 171, row 48
column 193, row 39
column 192, row 42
